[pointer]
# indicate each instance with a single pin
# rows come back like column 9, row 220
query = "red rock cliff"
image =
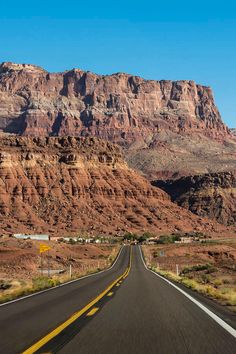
column 67, row 185
column 119, row 107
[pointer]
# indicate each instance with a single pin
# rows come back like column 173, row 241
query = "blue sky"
column 154, row 39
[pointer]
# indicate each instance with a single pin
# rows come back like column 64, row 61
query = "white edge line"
column 211, row 314
column 67, row 283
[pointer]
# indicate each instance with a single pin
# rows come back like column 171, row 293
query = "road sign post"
column 44, row 248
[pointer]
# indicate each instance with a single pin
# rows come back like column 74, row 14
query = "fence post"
column 70, row 270
column 177, row 269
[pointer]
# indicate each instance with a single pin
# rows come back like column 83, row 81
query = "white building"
column 32, row 237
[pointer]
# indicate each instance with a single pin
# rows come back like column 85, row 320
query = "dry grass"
column 217, row 288
column 227, row 295
column 10, row 290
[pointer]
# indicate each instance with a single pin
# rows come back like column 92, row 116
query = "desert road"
column 126, row 309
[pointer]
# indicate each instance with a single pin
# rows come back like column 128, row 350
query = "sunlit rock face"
column 118, row 107
column 62, row 185
column 167, row 128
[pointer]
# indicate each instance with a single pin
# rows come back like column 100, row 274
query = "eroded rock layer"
column 209, row 195
column 166, row 127
column 118, row 107
column 66, row 185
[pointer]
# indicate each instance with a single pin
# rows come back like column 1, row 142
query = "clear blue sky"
column 154, row 39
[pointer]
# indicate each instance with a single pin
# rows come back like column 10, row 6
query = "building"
column 32, row 237
column 186, row 240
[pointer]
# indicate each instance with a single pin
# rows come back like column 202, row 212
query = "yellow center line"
column 76, row 315
column 110, row 293
column 93, row 311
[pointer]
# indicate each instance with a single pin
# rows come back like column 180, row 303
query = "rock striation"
column 233, row 131
column 118, row 107
column 209, row 195
column 67, row 185
column 167, row 128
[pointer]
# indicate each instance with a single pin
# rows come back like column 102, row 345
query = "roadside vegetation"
column 215, row 278
column 14, row 288
column 226, row 295
column 132, row 237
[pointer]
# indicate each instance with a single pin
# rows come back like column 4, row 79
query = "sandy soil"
column 20, row 259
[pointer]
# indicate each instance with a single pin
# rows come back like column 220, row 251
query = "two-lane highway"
column 139, row 312
column 147, row 315
column 24, row 322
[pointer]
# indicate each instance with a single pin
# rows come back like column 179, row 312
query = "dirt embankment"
column 20, row 259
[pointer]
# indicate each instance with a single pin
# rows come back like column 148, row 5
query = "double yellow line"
column 78, row 314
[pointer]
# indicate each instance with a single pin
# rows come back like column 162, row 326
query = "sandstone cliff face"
column 118, row 107
column 167, row 128
column 66, row 185
column 210, row 195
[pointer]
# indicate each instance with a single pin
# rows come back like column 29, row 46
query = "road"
column 141, row 313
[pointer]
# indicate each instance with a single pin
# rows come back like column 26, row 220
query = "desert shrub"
column 165, row 239
column 205, row 279
column 144, row 237
column 102, row 256
column 42, row 282
column 217, row 282
column 197, row 268
column 130, row 236
column 4, row 284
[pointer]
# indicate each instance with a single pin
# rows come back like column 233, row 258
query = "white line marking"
column 67, row 283
column 217, row 319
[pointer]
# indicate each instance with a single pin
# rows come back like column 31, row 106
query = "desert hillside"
column 66, row 185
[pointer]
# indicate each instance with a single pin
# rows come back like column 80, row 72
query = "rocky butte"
column 168, row 128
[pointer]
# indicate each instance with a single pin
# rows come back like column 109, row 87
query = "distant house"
column 68, row 239
column 32, row 237
column 186, row 240
column 151, row 241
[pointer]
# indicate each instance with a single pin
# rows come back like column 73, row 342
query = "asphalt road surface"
column 136, row 312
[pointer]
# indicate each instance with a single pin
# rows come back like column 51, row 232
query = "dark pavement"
column 24, row 322
column 145, row 315
column 149, row 316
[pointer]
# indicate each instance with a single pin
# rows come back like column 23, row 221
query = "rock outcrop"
column 209, row 195
column 66, row 185
column 159, row 123
column 233, row 131
column 118, row 107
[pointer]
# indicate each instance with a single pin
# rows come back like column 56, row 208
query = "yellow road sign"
column 44, row 248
